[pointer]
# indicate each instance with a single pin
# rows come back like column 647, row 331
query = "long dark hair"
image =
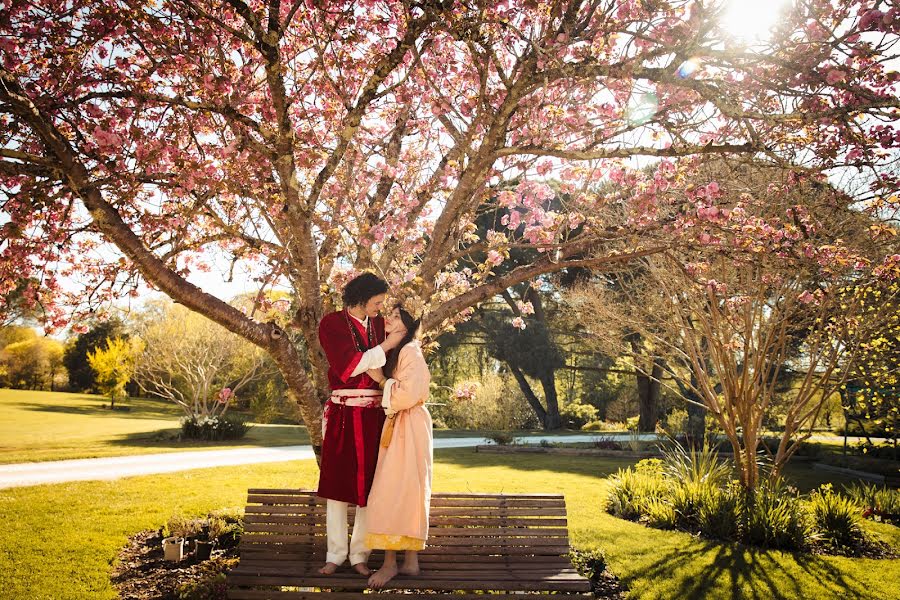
column 412, row 329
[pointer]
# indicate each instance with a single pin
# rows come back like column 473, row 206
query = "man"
column 354, row 342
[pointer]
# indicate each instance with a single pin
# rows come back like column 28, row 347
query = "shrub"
column 632, row 491
column 676, row 422
column 836, row 518
column 650, row 466
column 659, row 513
column 231, row 427
column 600, row 425
column 696, row 466
column 589, row 563
column 718, row 514
column 210, row 585
column 876, row 502
column 180, row 526
column 496, row 404
column 502, row 438
column 774, row 517
column 576, row 415
column 606, row 443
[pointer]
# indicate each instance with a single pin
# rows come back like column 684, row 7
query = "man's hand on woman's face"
column 392, row 340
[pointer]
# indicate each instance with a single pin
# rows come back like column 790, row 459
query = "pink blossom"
column 465, row 391
column 526, row 308
column 519, row 323
column 806, row 297
column 834, row 76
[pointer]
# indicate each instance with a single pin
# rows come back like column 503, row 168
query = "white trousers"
column 336, row 526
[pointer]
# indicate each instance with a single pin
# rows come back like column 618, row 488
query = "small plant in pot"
column 179, row 535
column 215, row 527
column 173, row 545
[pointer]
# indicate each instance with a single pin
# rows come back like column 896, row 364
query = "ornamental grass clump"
column 836, row 518
column 878, row 503
column 693, row 491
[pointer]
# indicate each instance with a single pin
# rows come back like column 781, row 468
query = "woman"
column 400, row 499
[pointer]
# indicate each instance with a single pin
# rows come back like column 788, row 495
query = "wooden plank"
column 410, row 583
column 240, row 594
column 284, row 499
column 435, row 495
column 448, row 571
column 255, row 526
column 499, row 521
column 460, row 580
column 438, row 511
column 504, row 522
column 483, row 549
column 471, row 538
column 375, row 559
column 535, row 571
column 499, row 501
column 513, row 511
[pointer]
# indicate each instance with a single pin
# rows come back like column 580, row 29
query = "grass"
column 41, row 426
column 59, row 541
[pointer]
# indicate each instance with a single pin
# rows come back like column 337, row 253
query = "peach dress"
column 400, row 499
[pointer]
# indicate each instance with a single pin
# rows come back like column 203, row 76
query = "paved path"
column 25, row 474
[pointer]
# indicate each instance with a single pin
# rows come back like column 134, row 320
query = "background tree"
column 34, row 363
column 302, row 138
column 194, row 362
column 739, row 318
column 82, row 377
column 114, row 366
column 871, row 393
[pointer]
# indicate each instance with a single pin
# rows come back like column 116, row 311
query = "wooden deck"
column 515, row 546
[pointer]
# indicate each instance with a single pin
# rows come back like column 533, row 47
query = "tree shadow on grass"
column 748, row 573
column 94, row 407
column 169, row 438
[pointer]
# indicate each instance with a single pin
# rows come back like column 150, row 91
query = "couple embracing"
column 376, row 438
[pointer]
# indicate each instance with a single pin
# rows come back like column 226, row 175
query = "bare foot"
column 410, row 570
column 380, row 577
column 362, row 569
column 328, row 569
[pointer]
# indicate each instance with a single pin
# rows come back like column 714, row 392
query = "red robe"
column 352, row 433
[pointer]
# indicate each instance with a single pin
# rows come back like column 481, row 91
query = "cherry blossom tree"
column 313, row 140
column 739, row 303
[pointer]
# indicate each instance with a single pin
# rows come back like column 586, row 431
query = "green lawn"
column 40, row 426
column 59, row 541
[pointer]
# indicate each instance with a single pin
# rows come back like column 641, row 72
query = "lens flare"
column 641, row 108
column 687, row 68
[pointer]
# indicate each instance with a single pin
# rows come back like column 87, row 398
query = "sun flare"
column 752, row 19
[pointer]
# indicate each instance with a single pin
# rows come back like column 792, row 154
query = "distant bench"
column 505, row 543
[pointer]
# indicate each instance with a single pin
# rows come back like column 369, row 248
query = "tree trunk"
column 533, row 400
column 648, row 388
column 301, row 388
column 552, row 420
column 696, row 425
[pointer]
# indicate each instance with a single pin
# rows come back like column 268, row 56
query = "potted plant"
column 215, row 527
column 173, row 548
column 178, row 535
